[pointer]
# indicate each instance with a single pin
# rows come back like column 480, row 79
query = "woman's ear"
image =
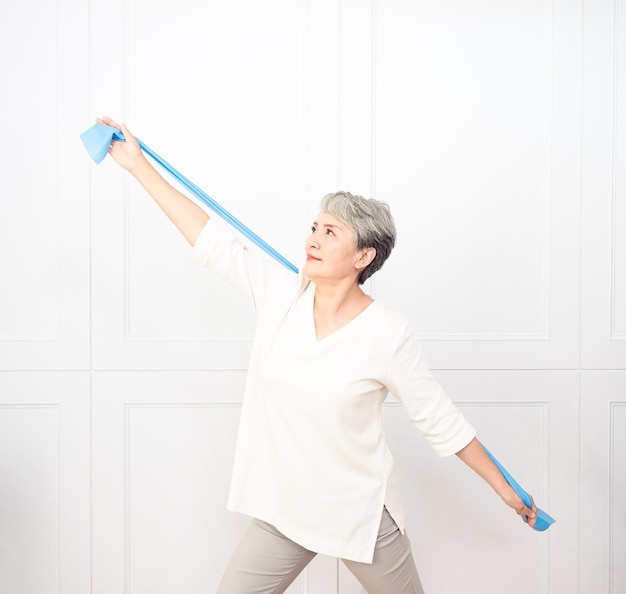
column 365, row 258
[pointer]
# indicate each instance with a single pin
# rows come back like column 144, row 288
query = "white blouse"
column 311, row 457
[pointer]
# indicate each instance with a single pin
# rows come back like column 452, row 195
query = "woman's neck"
column 335, row 299
column 334, row 308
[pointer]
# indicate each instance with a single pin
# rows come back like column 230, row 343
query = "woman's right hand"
column 127, row 154
column 188, row 217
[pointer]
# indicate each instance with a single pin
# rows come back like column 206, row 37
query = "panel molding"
column 615, row 145
column 615, row 471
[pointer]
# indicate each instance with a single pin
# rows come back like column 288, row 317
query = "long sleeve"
column 424, row 400
column 244, row 269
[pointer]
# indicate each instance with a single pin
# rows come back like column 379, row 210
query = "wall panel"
column 477, row 144
column 232, row 115
column 604, row 188
column 603, row 491
column 163, row 448
column 463, row 536
column 44, row 492
column 144, row 427
column 44, row 212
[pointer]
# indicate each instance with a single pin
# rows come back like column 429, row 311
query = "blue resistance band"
column 97, row 141
column 544, row 521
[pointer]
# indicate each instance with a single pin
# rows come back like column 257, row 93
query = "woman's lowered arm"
column 477, row 459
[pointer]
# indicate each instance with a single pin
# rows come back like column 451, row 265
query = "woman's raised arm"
column 188, row 217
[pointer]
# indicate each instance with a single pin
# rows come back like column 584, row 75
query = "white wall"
column 496, row 131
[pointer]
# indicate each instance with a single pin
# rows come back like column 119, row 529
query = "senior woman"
column 311, row 467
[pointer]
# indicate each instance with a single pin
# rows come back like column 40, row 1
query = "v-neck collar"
column 342, row 329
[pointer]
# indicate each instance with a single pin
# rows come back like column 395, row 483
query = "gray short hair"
column 371, row 222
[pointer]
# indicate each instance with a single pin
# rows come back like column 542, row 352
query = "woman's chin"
column 309, row 269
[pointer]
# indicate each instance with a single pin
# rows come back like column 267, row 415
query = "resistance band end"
column 97, row 140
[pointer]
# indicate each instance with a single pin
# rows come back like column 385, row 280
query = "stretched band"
column 97, row 141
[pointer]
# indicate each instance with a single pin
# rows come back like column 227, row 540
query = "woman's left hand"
column 512, row 499
column 475, row 456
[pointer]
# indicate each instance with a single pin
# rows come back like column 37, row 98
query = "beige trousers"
column 267, row 562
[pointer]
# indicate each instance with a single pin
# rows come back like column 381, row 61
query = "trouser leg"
column 393, row 570
column 264, row 562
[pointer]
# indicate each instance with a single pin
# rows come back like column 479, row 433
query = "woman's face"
column 330, row 251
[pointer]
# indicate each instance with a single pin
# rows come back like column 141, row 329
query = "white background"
column 495, row 130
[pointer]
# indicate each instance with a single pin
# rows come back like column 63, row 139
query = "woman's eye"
column 329, row 232
column 313, row 229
